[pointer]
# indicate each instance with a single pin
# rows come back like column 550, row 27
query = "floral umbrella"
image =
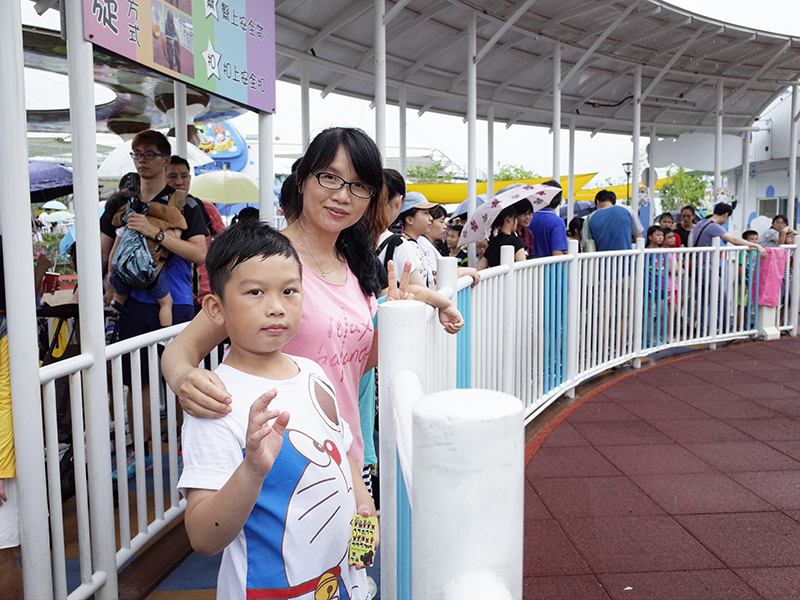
column 479, row 225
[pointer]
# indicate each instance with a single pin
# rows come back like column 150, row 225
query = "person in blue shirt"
column 548, row 229
column 612, row 227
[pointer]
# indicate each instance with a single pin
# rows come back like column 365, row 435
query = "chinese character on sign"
column 226, row 12
column 106, row 13
column 133, row 31
column 259, row 32
column 133, row 8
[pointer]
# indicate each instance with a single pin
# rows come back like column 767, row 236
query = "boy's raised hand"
column 264, row 439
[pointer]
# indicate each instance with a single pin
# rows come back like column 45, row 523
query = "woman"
column 504, row 230
column 334, row 215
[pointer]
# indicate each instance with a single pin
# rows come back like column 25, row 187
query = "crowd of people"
column 285, row 428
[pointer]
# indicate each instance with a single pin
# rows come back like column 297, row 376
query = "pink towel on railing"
column 771, row 276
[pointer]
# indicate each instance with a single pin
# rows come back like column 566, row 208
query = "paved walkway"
column 679, row 481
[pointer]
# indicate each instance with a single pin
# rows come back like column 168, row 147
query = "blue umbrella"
column 48, row 180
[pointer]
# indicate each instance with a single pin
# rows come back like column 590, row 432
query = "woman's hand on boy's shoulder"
column 265, row 429
column 203, row 395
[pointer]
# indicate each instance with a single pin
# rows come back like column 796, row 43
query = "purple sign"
column 226, row 47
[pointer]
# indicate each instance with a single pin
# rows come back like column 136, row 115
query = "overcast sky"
column 526, row 146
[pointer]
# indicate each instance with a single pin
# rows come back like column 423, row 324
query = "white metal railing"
column 534, row 330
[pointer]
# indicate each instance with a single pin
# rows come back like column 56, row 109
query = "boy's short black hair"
column 748, row 233
column 237, row 244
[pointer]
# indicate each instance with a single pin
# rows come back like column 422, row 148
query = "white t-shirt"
column 408, row 251
column 296, row 539
column 431, row 253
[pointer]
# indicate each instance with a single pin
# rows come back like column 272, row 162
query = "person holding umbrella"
column 496, row 220
column 504, row 233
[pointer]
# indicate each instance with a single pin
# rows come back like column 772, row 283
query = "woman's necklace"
column 322, row 272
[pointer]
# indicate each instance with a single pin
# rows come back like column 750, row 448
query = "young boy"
column 277, row 493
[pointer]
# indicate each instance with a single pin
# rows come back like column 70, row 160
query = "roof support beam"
column 743, row 88
column 726, row 47
column 394, row 11
column 557, row 111
column 581, row 9
column 588, row 54
column 648, row 33
column 368, row 54
column 665, row 69
column 353, row 12
column 505, row 27
column 757, row 54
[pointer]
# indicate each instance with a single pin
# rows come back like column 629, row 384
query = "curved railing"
column 534, row 330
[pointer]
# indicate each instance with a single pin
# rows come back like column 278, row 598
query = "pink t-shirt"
column 336, row 332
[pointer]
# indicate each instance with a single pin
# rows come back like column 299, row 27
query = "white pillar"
column 380, row 77
column 571, row 167
column 179, row 91
column 557, row 111
column 472, row 111
column 652, row 179
column 472, row 549
column 90, row 282
column 403, row 134
column 791, row 203
column 638, row 303
column 15, row 217
column 573, row 314
column 509, row 324
column 402, row 325
column 490, row 151
column 266, row 168
column 305, row 109
column 637, row 133
column 718, row 141
column 745, row 201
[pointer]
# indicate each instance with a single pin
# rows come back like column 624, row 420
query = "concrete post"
column 456, row 451
column 266, row 168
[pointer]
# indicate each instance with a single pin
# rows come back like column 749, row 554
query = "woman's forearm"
column 186, row 351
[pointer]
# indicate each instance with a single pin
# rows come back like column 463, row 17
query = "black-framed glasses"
column 333, row 182
column 148, row 156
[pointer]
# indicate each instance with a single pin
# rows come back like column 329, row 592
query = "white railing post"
column 401, row 346
column 573, row 319
column 447, row 281
column 794, row 303
column 456, row 452
column 21, row 314
column 508, row 353
column 92, row 324
column 713, row 312
column 638, row 303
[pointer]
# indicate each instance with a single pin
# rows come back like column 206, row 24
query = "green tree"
column 433, row 173
column 682, row 190
column 508, row 172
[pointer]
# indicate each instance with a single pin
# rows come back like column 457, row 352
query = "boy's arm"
column 737, row 241
column 214, row 518
column 449, row 316
column 111, row 254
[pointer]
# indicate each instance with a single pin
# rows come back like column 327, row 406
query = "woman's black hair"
column 395, row 184
column 516, row 209
column 248, row 215
column 237, row 244
column 576, row 224
column 357, row 242
column 438, row 211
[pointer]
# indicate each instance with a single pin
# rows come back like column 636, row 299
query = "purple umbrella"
column 48, row 180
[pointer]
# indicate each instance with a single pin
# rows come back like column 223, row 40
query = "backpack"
column 390, row 243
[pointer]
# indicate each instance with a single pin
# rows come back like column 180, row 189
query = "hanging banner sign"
column 226, row 47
